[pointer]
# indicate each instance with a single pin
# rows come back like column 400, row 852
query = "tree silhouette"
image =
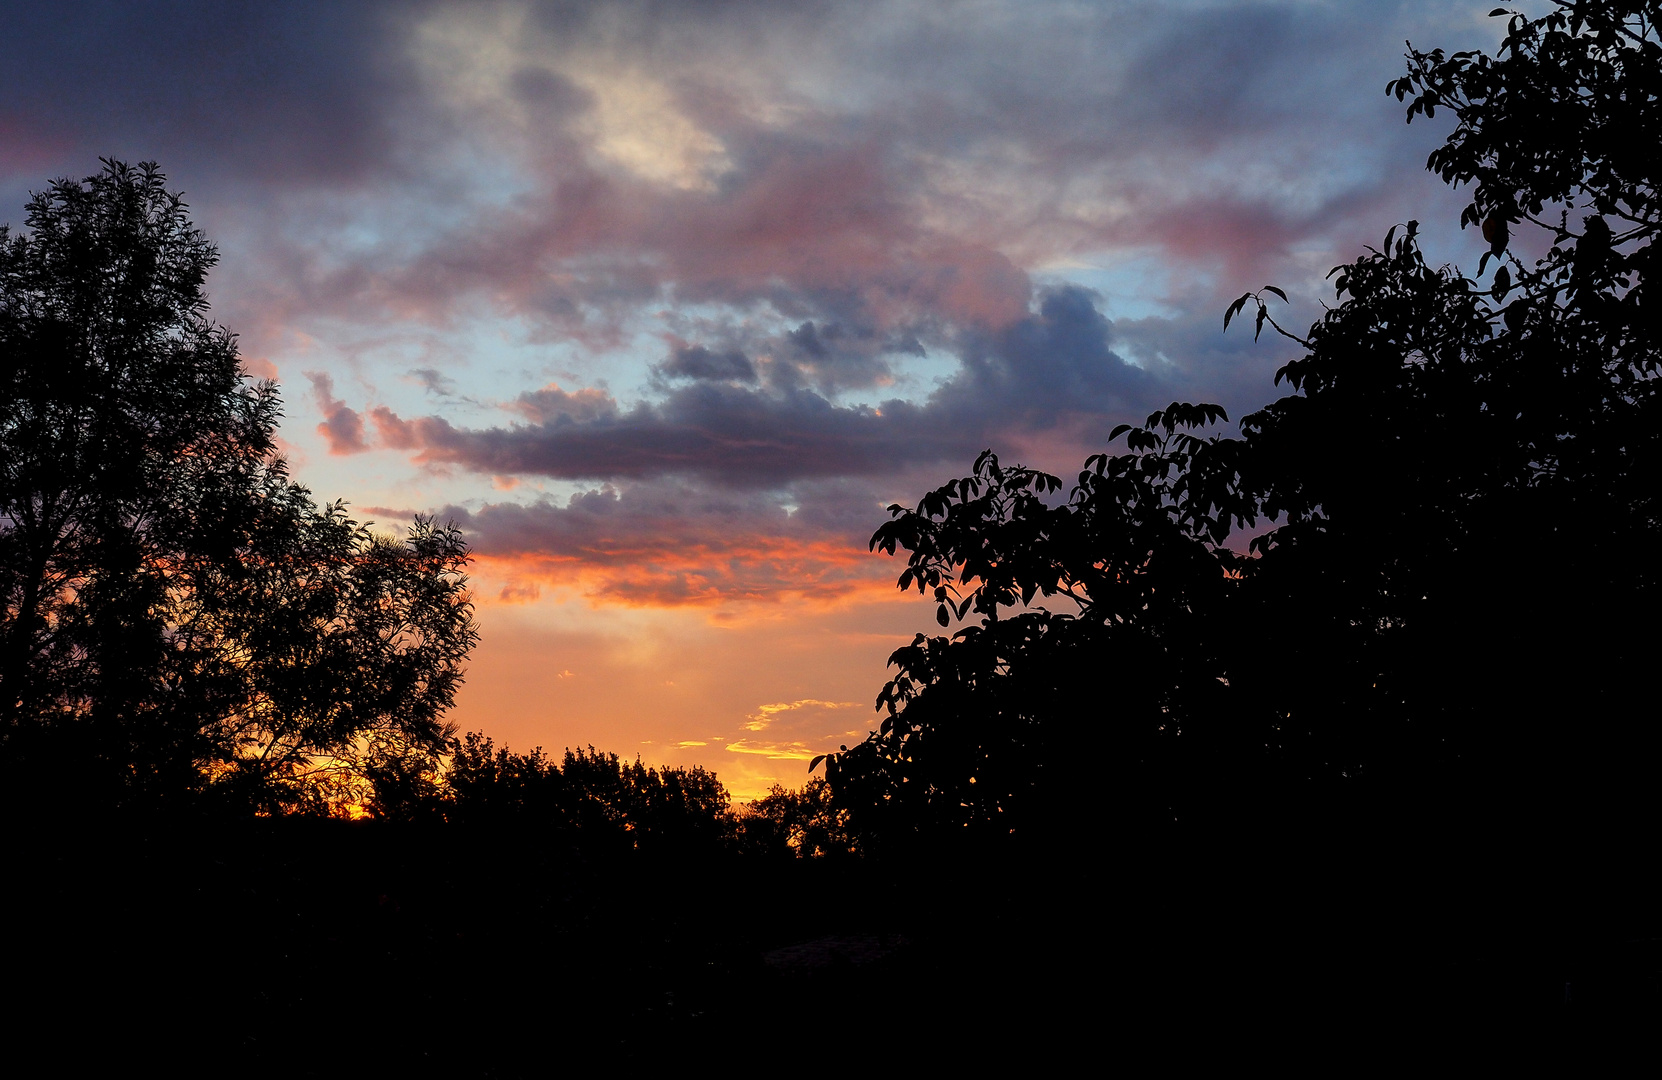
column 178, row 620
column 1455, row 597
column 588, row 798
column 801, row 824
column 985, row 732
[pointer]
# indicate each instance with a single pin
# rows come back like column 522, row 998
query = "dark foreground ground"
column 320, row 948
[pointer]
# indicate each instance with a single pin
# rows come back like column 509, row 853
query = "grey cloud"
column 882, row 192
column 1056, row 362
column 258, row 92
column 553, row 406
column 549, row 93
column 671, row 542
column 434, row 381
column 1037, row 98
column 806, row 338
column 611, row 524
column 698, row 362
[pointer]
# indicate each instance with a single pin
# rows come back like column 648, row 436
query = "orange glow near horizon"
column 748, row 689
column 762, row 571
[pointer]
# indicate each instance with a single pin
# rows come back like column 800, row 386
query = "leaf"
column 1501, row 235
column 814, row 764
column 1278, row 292
column 1263, row 313
column 1235, row 309
column 941, row 615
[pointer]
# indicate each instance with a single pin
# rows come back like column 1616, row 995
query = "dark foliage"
column 598, row 805
column 588, row 799
column 801, row 823
column 180, row 625
column 1451, row 612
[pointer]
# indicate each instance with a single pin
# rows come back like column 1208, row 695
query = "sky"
column 664, row 303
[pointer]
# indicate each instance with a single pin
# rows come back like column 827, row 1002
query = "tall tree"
column 177, row 618
column 1456, row 594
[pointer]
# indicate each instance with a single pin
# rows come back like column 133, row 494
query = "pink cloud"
column 259, row 368
column 394, row 432
column 551, row 405
column 342, row 427
column 673, row 545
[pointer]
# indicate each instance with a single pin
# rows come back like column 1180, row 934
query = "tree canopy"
column 587, row 796
column 1447, row 585
column 179, row 621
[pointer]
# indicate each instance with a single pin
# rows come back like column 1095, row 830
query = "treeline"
column 599, row 803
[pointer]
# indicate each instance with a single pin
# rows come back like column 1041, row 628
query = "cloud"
column 1057, row 361
column 434, row 381
column 698, row 362
column 266, row 94
column 556, row 407
column 259, row 368
column 765, row 715
column 574, row 162
column 585, row 167
column 670, row 544
column 773, row 751
column 806, row 718
column 342, row 427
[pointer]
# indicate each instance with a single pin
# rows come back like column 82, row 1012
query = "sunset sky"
column 663, row 303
